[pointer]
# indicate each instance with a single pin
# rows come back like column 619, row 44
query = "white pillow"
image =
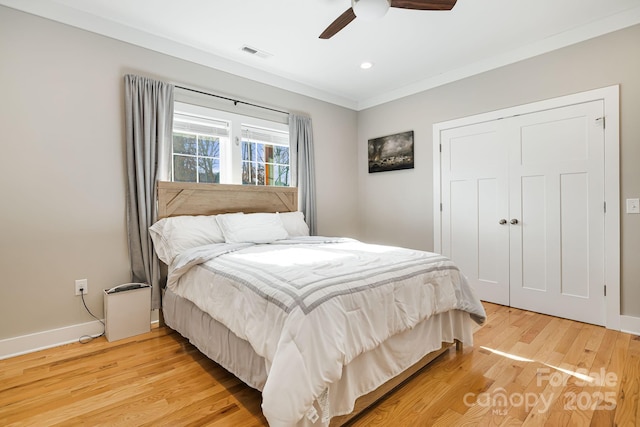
column 175, row 234
column 251, row 228
column 294, row 223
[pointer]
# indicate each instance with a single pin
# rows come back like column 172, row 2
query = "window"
column 265, row 157
column 196, row 148
column 221, row 147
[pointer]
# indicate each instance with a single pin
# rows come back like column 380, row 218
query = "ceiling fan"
column 372, row 9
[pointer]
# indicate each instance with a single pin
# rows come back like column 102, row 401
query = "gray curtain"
column 301, row 137
column 149, row 122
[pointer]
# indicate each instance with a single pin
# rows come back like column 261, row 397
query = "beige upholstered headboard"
column 186, row 198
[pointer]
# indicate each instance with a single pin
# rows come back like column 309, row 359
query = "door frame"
column 611, row 97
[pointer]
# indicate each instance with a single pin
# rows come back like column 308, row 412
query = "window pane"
column 248, row 173
column 246, row 151
column 260, row 152
column 184, row 168
column 269, row 173
column 184, row 143
column 282, row 175
column 209, row 170
column 209, row 146
column 268, row 153
column 281, row 155
column 260, row 167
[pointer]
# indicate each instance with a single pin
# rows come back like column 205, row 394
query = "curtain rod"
column 235, row 101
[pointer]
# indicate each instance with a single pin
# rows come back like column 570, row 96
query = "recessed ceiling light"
column 366, row 65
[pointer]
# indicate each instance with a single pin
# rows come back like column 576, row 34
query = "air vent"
column 257, row 52
column 249, row 50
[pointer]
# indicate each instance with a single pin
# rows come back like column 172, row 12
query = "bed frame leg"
column 458, row 345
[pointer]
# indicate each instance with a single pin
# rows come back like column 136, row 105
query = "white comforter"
column 311, row 305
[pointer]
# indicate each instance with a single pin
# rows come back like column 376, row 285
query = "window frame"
column 231, row 147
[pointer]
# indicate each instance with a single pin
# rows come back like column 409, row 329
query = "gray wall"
column 396, row 207
column 62, row 173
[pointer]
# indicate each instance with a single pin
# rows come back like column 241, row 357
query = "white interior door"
column 556, row 183
column 474, row 199
column 543, row 173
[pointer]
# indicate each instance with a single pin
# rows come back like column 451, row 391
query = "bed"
column 322, row 326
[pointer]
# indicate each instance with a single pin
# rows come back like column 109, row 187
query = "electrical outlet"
column 82, row 284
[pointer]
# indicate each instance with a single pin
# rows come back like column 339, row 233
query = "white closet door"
column 474, row 199
column 556, row 184
column 523, row 209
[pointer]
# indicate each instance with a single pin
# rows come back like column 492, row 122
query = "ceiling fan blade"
column 338, row 24
column 424, row 4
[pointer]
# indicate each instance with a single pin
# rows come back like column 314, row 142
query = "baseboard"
column 24, row 344
column 630, row 324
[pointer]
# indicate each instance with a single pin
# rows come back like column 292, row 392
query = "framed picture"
column 391, row 152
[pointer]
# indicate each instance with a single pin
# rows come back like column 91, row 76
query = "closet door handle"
column 502, row 221
column 514, row 221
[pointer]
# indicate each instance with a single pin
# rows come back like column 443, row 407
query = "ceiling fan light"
column 370, row 9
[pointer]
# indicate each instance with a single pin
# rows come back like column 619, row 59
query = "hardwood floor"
column 524, row 369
